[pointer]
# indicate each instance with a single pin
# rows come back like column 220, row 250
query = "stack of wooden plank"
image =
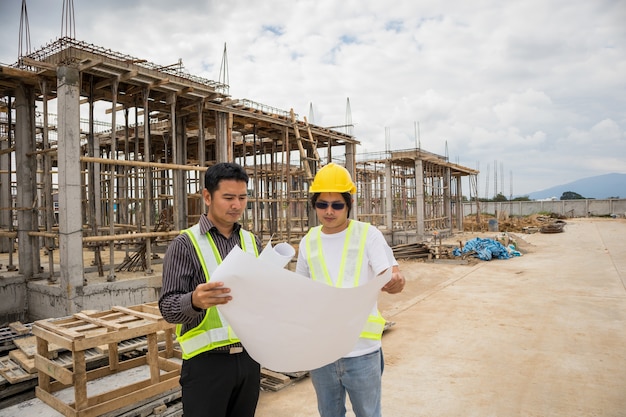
column 411, row 251
column 275, row 381
column 18, row 375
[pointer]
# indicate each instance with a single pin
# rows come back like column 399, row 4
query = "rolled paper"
column 279, row 255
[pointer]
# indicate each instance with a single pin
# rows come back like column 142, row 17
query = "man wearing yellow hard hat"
column 343, row 252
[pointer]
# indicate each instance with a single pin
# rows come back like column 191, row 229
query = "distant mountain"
column 599, row 187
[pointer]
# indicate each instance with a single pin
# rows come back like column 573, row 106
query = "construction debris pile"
column 500, row 246
column 521, row 224
column 554, row 227
column 486, row 249
column 18, row 375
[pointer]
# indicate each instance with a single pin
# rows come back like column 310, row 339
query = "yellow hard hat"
column 333, row 178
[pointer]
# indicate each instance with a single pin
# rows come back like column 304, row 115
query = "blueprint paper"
column 290, row 323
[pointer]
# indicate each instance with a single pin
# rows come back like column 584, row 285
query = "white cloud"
column 537, row 85
column 608, row 131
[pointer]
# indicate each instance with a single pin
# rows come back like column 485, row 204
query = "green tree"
column 570, row 195
column 500, row 197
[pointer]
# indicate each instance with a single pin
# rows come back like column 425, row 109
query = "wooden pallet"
column 275, row 381
column 28, row 345
column 8, row 333
column 163, row 405
column 27, row 364
column 87, row 331
column 13, row 372
column 19, row 328
column 8, row 336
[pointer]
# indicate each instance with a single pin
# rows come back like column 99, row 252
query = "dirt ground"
column 536, row 335
column 540, row 335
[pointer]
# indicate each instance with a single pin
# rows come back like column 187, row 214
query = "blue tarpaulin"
column 485, row 249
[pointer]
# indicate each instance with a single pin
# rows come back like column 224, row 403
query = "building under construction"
column 120, row 190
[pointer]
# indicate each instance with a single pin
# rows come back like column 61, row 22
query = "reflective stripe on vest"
column 214, row 330
column 351, row 264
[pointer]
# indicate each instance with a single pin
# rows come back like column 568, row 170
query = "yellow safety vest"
column 214, row 331
column 351, row 262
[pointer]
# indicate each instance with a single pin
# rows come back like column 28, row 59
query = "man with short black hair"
column 218, row 377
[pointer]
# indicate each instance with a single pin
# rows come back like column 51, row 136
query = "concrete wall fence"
column 37, row 299
column 568, row 208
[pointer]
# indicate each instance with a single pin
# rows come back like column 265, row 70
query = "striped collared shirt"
column 182, row 273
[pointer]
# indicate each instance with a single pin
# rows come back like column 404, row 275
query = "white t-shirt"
column 377, row 258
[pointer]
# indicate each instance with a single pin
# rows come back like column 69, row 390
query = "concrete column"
column 388, row 197
column 447, row 209
column 351, row 159
column 419, row 198
column 113, row 195
column 312, row 163
column 201, row 148
column 94, row 192
column 136, row 171
column 123, row 187
column 25, row 170
column 40, row 197
column 48, row 200
column 257, row 213
column 6, row 244
column 459, row 204
column 178, row 144
column 351, row 167
column 221, row 137
column 366, row 193
column 229, row 135
column 182, row 191
column 148, row 205
column 70, row 218
column 329, row 157
column 292, row 207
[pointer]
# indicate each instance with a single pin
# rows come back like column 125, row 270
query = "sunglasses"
column 323, row 205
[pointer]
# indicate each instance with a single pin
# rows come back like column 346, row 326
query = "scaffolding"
column 141, row 179
column 411, row 190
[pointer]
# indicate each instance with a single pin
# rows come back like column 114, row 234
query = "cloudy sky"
column 535, row 89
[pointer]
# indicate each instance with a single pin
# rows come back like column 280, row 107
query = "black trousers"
column 220, row 385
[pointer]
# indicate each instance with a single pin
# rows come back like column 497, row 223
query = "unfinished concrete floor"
column 540, row 335
column 536, row 336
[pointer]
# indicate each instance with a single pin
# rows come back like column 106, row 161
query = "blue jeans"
column 360, row 377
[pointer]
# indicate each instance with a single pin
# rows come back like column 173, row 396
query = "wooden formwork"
column 87, row 330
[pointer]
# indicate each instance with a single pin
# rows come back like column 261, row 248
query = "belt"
column 228, row 349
